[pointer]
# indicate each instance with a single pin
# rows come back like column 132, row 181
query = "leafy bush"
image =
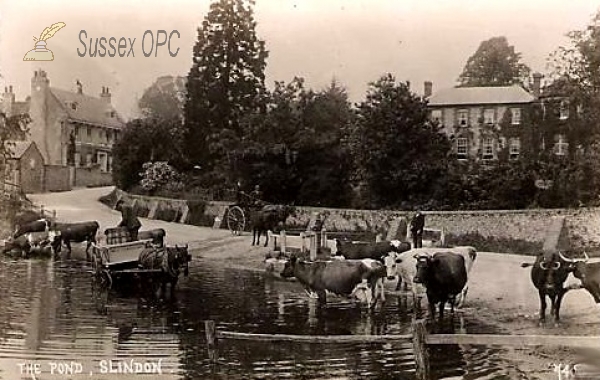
column 494, row 244
column 159, row 175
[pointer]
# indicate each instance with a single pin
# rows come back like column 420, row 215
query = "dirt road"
column 500, row 291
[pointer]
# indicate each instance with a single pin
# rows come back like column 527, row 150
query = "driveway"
column 82, row 205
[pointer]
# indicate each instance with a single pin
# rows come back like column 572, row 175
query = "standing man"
column 417, row 224
column 128, row 219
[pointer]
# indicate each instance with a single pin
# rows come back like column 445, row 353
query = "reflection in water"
column 53, row 311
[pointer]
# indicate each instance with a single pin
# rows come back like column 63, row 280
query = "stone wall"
column 56, row 178
column 527, row 225
column 92, row 177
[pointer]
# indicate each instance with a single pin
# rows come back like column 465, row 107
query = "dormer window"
column 113, row 114
column 74, row 105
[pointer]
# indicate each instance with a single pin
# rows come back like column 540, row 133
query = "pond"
column 51, row 315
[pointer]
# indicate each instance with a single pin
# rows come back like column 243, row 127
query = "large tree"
column 164, row 99
column 225, row 85
column 400, row 153
column 495, row 63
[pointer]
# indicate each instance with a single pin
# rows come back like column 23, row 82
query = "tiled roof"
column 480, row 95
column 88, row 109
column 18, row 148
column 20, row 108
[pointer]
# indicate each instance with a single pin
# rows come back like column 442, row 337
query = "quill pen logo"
column 41, row 53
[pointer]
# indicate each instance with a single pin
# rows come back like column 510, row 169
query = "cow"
column 268, row 218
column 39, row 225
column 157, row 236
column 548, row 274
column 444, row 276
column 369, row 250
column 32, row 242
column 587, row 273
column 404, row 266
column 75, row 232
column 170, row 261
column 350, row 278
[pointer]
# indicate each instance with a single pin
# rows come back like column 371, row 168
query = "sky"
column 351, row 41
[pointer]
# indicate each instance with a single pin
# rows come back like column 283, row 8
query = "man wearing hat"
column 417, row 224
column 129, row 219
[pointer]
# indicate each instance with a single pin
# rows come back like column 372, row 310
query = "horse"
column 267, row 219
column 170, row 261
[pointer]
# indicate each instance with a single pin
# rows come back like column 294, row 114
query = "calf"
column 444, row 275
column 548, row 274
column 75, row 232
column 157, row 236
column 369, row 250
column 404, row 266
column 347, row 277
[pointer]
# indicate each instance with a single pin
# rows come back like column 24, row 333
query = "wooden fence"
column 420, row 340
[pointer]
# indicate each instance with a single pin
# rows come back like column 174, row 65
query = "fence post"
column 282, row 242
column 313, row 246
column 420, row 349
column 209, row 328
column 302, row 238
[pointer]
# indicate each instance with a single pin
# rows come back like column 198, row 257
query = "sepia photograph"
column 300, row 189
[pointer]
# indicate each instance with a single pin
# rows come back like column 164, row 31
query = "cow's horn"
column 565, row 258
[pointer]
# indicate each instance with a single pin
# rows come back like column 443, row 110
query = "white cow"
column 404, row 265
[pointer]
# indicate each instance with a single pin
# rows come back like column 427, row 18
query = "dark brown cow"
column 548, row 274
column 369, row 250
column 342, row 277
column 267, row 219
column 444, row 275
column 75, row 232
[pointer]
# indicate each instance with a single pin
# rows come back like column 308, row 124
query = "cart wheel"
column 236, row 220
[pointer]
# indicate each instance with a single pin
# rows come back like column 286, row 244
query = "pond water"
column 53, row 319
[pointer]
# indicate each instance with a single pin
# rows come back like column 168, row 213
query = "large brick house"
column 59, row 116
column 470, row 116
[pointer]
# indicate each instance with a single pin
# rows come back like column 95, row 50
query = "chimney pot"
column 537, row 81
column 427, row 89
column 10, row 89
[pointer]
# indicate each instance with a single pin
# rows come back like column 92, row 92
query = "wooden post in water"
column 282, row 242
column 324, row 238
column 420, row 348
column 302, row 239
column 211, row 339
column 313, row 246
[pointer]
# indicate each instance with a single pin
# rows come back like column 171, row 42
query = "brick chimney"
column 8, row 100
column 427, row 89
column 537, row 83
column 105, row 94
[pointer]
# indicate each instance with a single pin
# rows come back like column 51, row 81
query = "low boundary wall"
column 582, row 224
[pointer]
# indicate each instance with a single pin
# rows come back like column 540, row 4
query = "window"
column 78, row 159
column 108, row 135
column 436, row 115
column 489, row 116
column 514, row 148
column 461, row 148
column 563, row 111
column 515, row 116
column 463, row 118
column 561, row 146
column 488, row 148
column 77, row 132
column 89, row 159
column 89, row 131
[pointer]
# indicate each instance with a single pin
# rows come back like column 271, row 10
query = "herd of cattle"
column 358, row 269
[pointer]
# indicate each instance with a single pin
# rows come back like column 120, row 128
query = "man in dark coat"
column 416, row 229
column 129, row 219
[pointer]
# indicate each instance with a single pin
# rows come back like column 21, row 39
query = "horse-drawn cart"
column 237, row 214
column 141, row 259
